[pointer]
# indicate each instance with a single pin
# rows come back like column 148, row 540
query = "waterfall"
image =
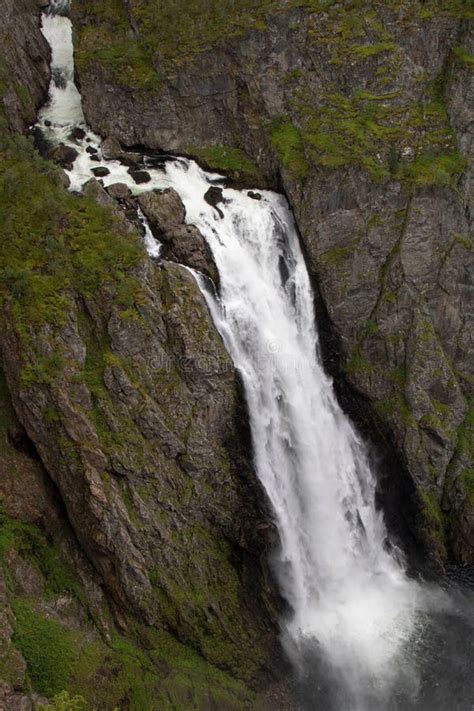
column 349, row 595
column 353, row 613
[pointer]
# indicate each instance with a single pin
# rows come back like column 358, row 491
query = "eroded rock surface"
column 24, row 70
column 182, row 243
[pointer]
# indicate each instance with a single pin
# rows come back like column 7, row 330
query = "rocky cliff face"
column 363, row 115
column 24, row 62
column 133, row 532
column 127, row 399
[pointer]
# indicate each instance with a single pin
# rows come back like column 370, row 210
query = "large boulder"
column 111, row 149
column 182, row 243
column 63, row 155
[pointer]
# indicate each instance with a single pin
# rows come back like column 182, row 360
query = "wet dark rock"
column 59, row 79
column 42, row 144
column 91, row 150
column 119, row 191
column 164, row 209
column 63, row 155
column 140, row 176
column 182, row 243
column 65, row 179
column 254, row 195
column 77, row 134
column 101, row 171
column 213, row 197
column 47, row 123
column 132, row 160
column 111, row 149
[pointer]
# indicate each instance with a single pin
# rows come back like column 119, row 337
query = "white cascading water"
column 347, row 592
column 349, row 596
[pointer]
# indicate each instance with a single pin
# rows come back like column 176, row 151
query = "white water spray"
column 349, row 596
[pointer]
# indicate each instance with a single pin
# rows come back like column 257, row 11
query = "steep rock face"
column 125, row 388
column 369, row 131
column 24, row 62
column 130, row 528
column 59, row 627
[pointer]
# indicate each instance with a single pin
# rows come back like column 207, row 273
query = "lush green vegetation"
column 464, row 56
column 54, row 243
column 371, row 131
column 108, row 675
column 370, row 50
column 231, row 161
column 32, row 544
column 171, row 32
column 435, row 523
column 48, row 649
column 288, row 143
column 64, row 702
column 158, row 673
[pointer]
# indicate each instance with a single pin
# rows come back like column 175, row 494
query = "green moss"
column 126, row 59
column 33, row 545
column 358, row 363
column 171, row 33
column 7, row 416
column 350, row 131
column 380, row 132
column 430, row 169
column 129, row 505
column 48, row 649
column 163, row 675
column 228, row 160
column 52, row 240
column 338, row 255
column 395, row 407
column 370, row 50
column 465, row 242
column 371, row 327
column 435, row 520
column 467, row 477
column 464, row 56
column 288, row 143
column 465, row 445
column 64, row 702
column 43, row 371
column 398, row 376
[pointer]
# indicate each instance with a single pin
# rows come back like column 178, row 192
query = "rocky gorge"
column 135, row 534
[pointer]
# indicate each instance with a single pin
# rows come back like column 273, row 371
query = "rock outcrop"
column 182, row 243
column 368, row 130
column 24, row 63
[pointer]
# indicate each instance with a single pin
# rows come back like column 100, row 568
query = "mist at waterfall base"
column 362, row 636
